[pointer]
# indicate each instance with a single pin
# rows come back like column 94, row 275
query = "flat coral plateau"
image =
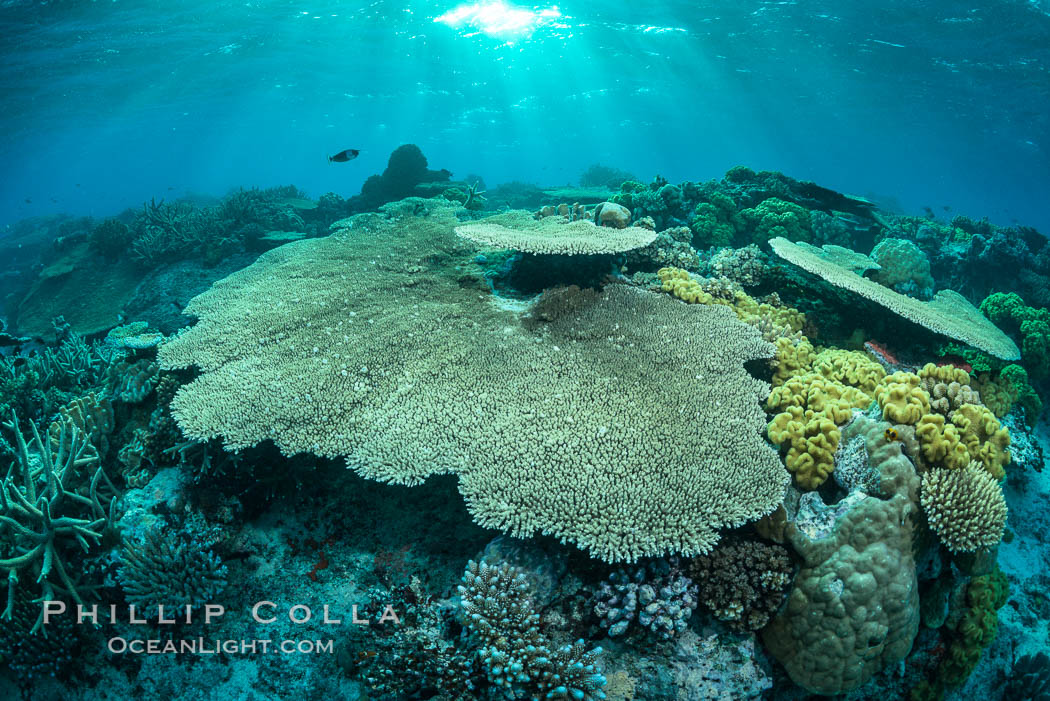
column 627, row 425
column 554, row 235
column 948, row 313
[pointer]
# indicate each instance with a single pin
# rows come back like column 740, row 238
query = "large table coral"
column 948, row 313
column 626, row 424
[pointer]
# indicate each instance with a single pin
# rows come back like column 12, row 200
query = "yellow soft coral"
column 812, row 408
column 679, row 283
column 902, row 399
column 773, row 320
column 997, row 395
column 944, row 373
column 786, row 319
column 812, row 438
column 984, row 437
column 850, row 367
column 792, row 359
column 941, row 444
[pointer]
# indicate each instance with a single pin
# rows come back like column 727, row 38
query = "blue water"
column 934, row 104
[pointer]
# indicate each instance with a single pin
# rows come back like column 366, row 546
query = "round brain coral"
column 965, row 508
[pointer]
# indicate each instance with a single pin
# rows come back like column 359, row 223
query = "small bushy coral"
column 516, row 655
column 747, row 266
column 743, row 582
column 716, row 222
column 162, row 570
column 965, row 508
column 1032, row 325
column 776, row 218
column 658, row 596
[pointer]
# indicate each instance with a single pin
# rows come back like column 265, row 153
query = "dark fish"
column 29, row 201
column 344, row 156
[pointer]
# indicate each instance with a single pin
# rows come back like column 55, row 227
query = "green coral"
column 978, row 360
column 1032, row 324
column 1026, row 396
column 715, row 222
column 775, row 217
column 976, row 628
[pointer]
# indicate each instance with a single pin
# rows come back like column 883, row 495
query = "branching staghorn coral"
column 515, row 653
column 43, row 514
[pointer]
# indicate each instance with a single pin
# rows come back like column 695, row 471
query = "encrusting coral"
column 583, row 427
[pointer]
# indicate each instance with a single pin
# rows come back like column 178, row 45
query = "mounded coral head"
column 904, row 267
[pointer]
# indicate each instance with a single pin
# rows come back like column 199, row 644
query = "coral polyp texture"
column 519, row 231
column 965, row 508
column 627, row 425
column 948, row 313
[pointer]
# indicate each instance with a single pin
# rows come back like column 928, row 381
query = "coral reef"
column 598, row 175
column 32, row 653
column 948, row 313
column 1029, row 679
column 47, row 509
column 854, row 606
column 554, row 235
